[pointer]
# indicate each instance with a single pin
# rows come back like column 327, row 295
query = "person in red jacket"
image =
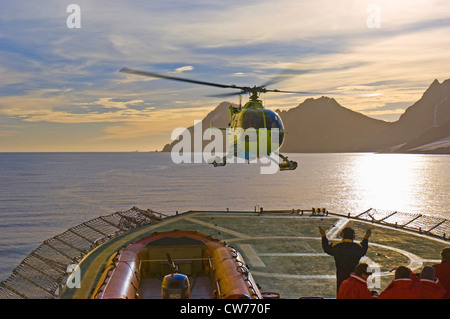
column 355, row 287
column 406, row 285
column 430, row 287
column 443, row 271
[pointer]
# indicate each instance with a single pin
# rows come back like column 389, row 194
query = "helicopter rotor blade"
column 244, row 89
column 292, row 72
column 284, row 75
column 227, row 94
column 150, row 74
column 326, row 93
column 296, row 92
column 275, row 80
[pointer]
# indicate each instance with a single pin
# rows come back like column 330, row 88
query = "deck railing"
column 421, row 223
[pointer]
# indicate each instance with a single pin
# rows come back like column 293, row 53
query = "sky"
column 60, row 89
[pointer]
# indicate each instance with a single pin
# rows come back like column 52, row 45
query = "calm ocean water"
column 43, row 194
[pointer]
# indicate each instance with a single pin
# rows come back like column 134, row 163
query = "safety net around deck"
column 45, row 270
column 422, row 223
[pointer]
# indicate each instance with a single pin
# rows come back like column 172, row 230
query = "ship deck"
column 282, row 249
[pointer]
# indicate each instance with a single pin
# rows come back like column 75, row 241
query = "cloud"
column 184, row 69
column 107, row 102
column 61, row 75
column 156, row 125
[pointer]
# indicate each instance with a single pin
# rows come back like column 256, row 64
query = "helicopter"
column 251, row 116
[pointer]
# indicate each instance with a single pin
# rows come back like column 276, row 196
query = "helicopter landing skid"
column 287, row 164
column 215, row 163
column 284, row 166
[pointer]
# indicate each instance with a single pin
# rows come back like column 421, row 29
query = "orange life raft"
column 137, row 270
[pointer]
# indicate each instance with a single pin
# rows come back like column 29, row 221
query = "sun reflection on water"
column 390, row 180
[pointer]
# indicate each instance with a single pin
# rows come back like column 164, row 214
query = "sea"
column 43, row 194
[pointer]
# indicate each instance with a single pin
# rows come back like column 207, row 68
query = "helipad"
column 284, row 252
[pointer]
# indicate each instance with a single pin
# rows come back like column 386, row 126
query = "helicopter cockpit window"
column 253, row 119
column 273, row 120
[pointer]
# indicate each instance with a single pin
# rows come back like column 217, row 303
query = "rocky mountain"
column 432, row 140
column 425, row 121
column 219, row 117
column 323, row 125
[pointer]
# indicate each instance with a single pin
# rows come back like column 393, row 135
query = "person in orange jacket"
column 443, row 271
column 355, row 287
column 406, row 285
column 430, row 287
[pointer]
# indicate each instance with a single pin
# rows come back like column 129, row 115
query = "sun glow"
column 390, row 180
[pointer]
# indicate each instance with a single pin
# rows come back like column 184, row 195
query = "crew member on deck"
column 346, row 253
column 430, row 287
column 406, row 285
column 355, row 287
column 443, row 271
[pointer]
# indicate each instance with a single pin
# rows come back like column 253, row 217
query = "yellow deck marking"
column 224, row 230
column 336, row 230
column 252, row 257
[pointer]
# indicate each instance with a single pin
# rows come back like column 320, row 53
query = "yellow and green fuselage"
column 255, row 131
